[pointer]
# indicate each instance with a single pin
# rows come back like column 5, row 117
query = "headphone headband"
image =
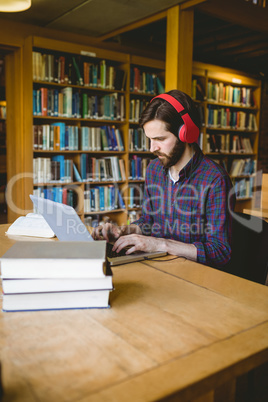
column 170, row 99
column 188, row 132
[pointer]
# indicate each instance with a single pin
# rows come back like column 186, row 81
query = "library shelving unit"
column 79, row 113
column 96, row 92
column 78, row 147
column 3, row 172
column 229, row 103
column 146, row 81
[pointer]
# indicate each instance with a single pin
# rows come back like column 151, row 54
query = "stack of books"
column 46, row 275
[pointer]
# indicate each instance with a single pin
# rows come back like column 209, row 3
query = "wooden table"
column 176, row 330
column 261, row 213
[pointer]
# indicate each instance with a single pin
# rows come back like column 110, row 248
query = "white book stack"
column 47, row 275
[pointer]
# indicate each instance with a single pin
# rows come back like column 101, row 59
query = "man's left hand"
column 139, row 243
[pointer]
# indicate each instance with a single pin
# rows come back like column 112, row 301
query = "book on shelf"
column 138, row 140
column 244, row 188
column 218, row 143
column 243, row 167
column 3, row 109
column 102, row 198
column 56, row 169
column 54, row 259
column 76, row 174
column 160, row 86
column 241, row 145
column 79, row 78
column 33, row 225
column 69, row 103
column 102, row 169
column 221, row 117
column 142, row 81
column 219, row 92
column 137, row 167
column 136, row 108
column 59, row 194
column 120, row 80
column 76, row 70
column 198, row 92
column 135, row 195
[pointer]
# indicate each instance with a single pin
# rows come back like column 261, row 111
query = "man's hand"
column 149, row 244
column 140, row 243
column 108, row 232
column 111, row 232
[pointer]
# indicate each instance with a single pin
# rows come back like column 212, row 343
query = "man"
column 185, row 209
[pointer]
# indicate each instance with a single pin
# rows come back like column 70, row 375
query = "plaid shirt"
column 193, row 210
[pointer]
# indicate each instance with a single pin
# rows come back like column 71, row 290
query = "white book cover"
column 55, row 259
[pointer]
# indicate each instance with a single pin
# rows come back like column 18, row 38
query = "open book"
column 31, row 225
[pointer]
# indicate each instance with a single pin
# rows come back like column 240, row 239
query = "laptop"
column 67, row 226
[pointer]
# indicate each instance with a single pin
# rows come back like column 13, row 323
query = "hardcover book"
column 54, row 260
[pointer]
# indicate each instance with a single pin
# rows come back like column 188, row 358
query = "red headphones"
column 188, row 132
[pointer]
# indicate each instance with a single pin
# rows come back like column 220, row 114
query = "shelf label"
column 86, row 53
column 236, row 81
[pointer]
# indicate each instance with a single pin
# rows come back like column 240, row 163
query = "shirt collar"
column 193, row 163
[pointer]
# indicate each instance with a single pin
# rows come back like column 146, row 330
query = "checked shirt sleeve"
column 216, row 250
column 145, row 222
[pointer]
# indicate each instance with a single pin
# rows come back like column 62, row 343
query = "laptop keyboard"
column 111, row 254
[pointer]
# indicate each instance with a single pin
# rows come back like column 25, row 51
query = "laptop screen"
column 62, row 219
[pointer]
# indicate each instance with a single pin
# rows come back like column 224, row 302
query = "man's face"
column 164, row 144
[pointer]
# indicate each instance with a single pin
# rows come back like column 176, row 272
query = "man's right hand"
column 111, row 232
column 108, row 231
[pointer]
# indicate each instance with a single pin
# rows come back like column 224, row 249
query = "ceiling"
column 216, row 40
column 91, row 17
column 227, row 44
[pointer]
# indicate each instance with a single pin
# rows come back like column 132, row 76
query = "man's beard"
column 174, row 156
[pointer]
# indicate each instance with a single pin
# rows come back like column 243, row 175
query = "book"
column 56, row 300
column 57, row 259
column 79, row 78
column 33, row 225
column 14, row 286
column 76, row 173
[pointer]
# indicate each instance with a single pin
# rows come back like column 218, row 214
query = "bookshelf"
column 3, row 172
column 147, row 79
column 135, row 148
column 81, row 145
column 229, row 103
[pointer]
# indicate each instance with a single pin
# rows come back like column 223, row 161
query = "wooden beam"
column 246, row 49
column 172, row 49
column 191, row 4
column 253, row 55
column 228, row 42
column 179, row 49
column 239, row 12
column 134, row 25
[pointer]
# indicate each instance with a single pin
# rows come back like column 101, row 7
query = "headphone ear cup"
column 182, row 133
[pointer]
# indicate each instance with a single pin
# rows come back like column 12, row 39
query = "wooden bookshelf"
column 147, row 79
column 22, row 142
column 232, row 137
column 41, row 85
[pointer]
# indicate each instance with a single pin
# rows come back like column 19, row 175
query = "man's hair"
column 162, row 110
